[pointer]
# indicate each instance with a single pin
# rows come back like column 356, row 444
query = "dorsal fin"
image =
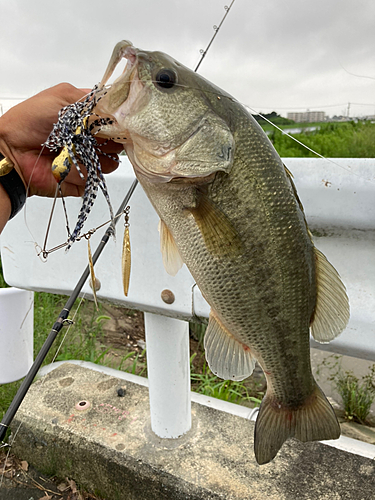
column 294, row 189
column 171, row 256
column 331, row 313
column 227, row 358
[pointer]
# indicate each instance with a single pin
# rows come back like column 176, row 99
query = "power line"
column 316, row 107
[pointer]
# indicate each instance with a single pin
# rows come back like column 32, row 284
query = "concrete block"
column 74, row 423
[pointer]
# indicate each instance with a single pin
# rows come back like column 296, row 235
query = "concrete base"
column 75, row 424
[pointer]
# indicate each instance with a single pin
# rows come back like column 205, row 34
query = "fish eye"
column 165, row 78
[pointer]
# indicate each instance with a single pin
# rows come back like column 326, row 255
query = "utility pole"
column 348, row 109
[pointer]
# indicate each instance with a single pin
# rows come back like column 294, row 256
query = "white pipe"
column 168, row 367
column 16, row 333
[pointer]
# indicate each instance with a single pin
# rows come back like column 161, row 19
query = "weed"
column 83, row 341
column 138, row 367
column 357, row 397
column 3, row 284
column 197, row 330
column 228, row 390
column 332, row 140
column 357, row 394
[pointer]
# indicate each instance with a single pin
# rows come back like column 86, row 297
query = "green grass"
column 332, row 140
column 84, row 341
column 357, row 395
column 197, row 330
column 267, row 127
column 205, row 382
column 2, row 281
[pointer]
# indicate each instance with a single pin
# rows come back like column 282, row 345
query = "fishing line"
column 42, row 382
column 354, row 74
column 305, row 146
column 44, row 252
column 30, row 179
column 8, row 453
column 66, row 333
column 62, row 319
column 21, row 393
column 58, row 325
column 97, row 93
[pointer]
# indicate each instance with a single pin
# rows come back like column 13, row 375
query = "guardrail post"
column 168, row 366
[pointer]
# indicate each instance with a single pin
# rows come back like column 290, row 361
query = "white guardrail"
column 339, row 202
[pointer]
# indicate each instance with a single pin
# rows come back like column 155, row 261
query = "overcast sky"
column 282, row 55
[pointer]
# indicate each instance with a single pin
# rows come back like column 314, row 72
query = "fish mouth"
column 111, row 97
column 123, row 50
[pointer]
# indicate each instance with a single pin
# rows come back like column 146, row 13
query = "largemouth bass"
column 229, row 210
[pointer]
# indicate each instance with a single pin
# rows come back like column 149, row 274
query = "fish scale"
column 229, row 210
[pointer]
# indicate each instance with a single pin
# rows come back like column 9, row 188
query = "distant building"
column 307, row 116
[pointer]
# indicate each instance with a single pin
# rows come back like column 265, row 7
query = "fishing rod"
column 216, row 28
column 63, row 320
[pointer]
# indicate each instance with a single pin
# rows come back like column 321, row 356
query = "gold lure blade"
column 5, row 166
column 126, row 261
column 92, row 274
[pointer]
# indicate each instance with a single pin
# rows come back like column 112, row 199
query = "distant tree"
column 272, row 117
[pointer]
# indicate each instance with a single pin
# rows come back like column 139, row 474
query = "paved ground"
column 109, row 447
column 21, row 482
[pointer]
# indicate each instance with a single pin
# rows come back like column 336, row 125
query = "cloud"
column 274, row 53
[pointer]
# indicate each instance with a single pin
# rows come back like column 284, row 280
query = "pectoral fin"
column 219, row 235
column 171, row 256
column 331, row 313
column 227, row 358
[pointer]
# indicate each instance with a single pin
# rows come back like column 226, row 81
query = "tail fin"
column 314, row 421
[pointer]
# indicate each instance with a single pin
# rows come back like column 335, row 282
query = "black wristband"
column 13, row 185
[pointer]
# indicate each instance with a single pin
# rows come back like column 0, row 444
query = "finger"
column 108, row 164
column 68, row 189
column 74, row 177
column 67, row 92
column 111, row 147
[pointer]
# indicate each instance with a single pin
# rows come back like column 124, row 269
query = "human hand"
column 25, row 127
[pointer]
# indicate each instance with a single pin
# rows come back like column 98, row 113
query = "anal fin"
column 171, row 256
column 227, row 358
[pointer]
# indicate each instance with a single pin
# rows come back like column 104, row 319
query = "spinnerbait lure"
column 73, row 134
